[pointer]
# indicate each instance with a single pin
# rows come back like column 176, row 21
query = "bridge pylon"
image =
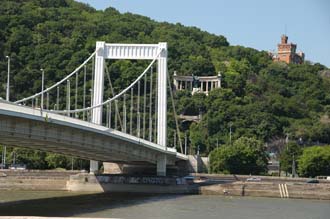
column 140, row 52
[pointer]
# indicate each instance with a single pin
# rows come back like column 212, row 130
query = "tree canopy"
column 260, row 99
column 315, row 161
column 245, row 156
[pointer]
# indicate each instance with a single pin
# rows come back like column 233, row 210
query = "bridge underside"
column 69, row 141
column 60, row 134
column 54, row 138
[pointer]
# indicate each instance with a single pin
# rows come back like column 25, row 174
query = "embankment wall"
column 34, row 179
column 268, row 189
column 235, row 186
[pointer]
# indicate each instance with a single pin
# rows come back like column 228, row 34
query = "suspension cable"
column 47, row 101
column 92, row 88
column 174, row 112
column 76, row 96
column 58, row 83
column 109, row 115
column 144, row 106
column 84, row 92
column 68, row 97
column 156, row 107
column 114, row 97
column 92, row 82
column 58, row 97
column 138, row 111
column 116, row 113
column 131, row 114
column 150, row 107
column 124, row 114
column 113, row 94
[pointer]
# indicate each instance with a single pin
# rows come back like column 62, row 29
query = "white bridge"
column 130, row 126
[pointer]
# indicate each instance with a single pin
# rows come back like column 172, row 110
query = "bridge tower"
column 140, row 52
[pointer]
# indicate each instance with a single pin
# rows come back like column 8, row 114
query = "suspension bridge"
column 128, row 126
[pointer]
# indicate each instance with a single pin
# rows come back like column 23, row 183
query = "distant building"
column 286, row 52
column 197, row 84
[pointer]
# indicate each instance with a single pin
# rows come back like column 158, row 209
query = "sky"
column 257, row 24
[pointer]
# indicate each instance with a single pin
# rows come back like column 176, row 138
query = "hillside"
column 265, row 100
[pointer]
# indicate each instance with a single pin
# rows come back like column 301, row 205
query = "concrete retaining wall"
column 197, row 164
column 67, row 180
column 34, row 179
column 294, row 190
column 133, row 184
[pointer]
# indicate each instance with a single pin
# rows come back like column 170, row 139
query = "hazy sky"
column 251, row 23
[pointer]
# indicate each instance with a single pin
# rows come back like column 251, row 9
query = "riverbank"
column 221, row 185
column 269, row 189
column 46, row 180
column 264, row 186
column 227, row 185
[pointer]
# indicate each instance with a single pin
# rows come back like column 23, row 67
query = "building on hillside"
column 197, row 84
column 286, row 52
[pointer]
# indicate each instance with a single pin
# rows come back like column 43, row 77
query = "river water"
column 43, row 203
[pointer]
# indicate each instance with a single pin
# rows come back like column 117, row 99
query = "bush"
column 245, row 156
column 315, row 161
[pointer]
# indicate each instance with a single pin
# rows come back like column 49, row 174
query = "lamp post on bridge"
column 7, row 99
column 8, row 79
column 42, row 88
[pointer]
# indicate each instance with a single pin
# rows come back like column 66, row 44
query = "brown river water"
column 54, row 203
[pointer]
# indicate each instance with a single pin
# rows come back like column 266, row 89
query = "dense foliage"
column 278, row 101
column 245, row 156
column 290, row 154
column 261, row 99
column 42, row 160
column 315, row 161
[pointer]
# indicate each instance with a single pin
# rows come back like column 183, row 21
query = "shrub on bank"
column 315, row 161
column 245, row 156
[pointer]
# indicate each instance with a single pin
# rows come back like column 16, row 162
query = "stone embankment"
column 269, row 189
column 206, row 184
column 34, row 179
column 133, row 184
column 264, row 186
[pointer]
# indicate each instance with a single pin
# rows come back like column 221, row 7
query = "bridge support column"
column 93, row 166
column 162, row 108
column 162, row 96
column 161, row 165
column 98, row 93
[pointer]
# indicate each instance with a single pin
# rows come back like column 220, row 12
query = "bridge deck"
column 27, row 127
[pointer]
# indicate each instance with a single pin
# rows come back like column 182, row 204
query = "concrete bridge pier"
column 161, row 165
column 94, row 166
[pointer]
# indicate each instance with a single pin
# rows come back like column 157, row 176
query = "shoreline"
column 227, row 185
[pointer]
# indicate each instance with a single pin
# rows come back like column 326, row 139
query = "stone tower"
column 286, row 52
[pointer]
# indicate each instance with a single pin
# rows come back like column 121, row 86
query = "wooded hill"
column 262, row 99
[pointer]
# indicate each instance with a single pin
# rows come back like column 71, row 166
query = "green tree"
column 57, row 161
column 245, row 156
column 315, row 161
column 33, row 159
column 198, row 136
